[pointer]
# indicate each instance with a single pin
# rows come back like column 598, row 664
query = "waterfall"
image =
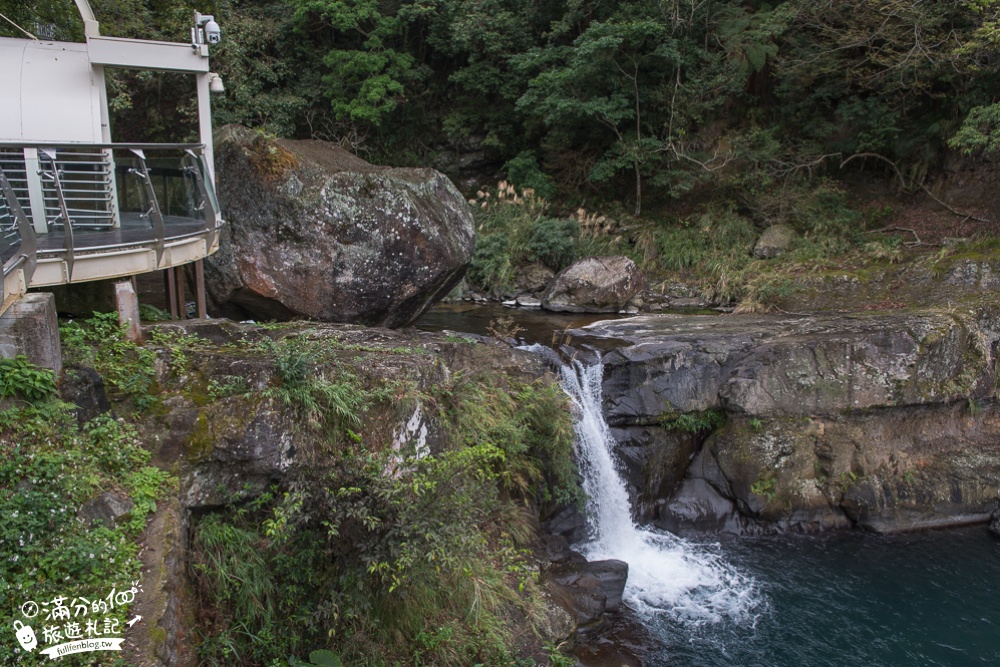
column 667, row 574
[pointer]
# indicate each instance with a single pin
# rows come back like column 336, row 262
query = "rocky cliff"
column 886, row 421
column 336, row 447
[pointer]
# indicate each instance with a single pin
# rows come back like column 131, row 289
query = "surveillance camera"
column 213, row 34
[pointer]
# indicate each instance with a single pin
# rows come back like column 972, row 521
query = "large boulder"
column 775, row 241
column 594, row 285
column 588, row 590
column 316, row 232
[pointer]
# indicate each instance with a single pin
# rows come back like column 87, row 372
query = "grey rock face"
column 84, row 387
column 881, row 421
column 588, row 590
column 653, row 460
column 533, row 278
column 106, row 508
column 765, row 366
column 775, row 241
column 594, row 285
column 316, row 232
column 568, row 523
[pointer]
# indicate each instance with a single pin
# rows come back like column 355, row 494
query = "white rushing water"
column 667, row 574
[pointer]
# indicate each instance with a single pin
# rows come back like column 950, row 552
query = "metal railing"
column 71, row 201
column 17, row 244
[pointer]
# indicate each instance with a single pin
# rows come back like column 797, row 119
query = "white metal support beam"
column 91, row 28
column 205, row 120
column 36, row 195
column 143, row 54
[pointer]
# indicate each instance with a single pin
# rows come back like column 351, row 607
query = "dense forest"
column 673, row 131
column 622, row 98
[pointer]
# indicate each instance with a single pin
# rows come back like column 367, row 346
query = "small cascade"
column 690, row 582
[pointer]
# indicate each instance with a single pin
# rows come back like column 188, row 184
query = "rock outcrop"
column 594, row 285
column 588, row 590
column 316, row 232
column 221, row 429
column 888, row 422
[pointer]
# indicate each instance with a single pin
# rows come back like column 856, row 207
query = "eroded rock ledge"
column 885, row 421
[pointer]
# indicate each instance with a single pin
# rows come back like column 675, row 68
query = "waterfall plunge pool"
column 927, row 599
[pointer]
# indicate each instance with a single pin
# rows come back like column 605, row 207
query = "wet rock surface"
column 316, row 232
column 588, row 590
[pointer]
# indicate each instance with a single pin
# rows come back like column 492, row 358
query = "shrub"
column 514, row 230
column 19, row 378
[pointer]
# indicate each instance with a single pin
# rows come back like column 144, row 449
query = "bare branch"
column 912, row 184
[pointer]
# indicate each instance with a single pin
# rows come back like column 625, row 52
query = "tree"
column 978, row 55
column 367, row 74
column 608, row 76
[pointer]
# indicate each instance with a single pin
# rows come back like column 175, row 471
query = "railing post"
column 199, row 172
column 154, row 206
column 16, row 274
column 63, row 211
column 24, row 228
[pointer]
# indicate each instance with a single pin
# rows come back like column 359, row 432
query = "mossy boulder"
column 316, row 232
column 775, row 241
column 594, row 285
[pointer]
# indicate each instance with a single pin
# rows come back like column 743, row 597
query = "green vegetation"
column 765, row 486
column 626, row 101
column 393, row 555
column 513, row 230
column 127, row 368
column 694, row 423
column 20, row 379
column 375, row 548
column 336, row 403
column 674, row 132
column 50, row 467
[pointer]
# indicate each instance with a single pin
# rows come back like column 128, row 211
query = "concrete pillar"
column 128, row 310
column 30, row 327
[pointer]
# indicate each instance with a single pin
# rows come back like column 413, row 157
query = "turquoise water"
column 851, row 599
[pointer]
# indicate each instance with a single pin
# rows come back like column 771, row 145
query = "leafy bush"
column 491, row 266
column 695, row 422
column 50, row 467
column 514, row 230
column 19, row 378
column 524, row 173
column 552, row 242
column 127, row 368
